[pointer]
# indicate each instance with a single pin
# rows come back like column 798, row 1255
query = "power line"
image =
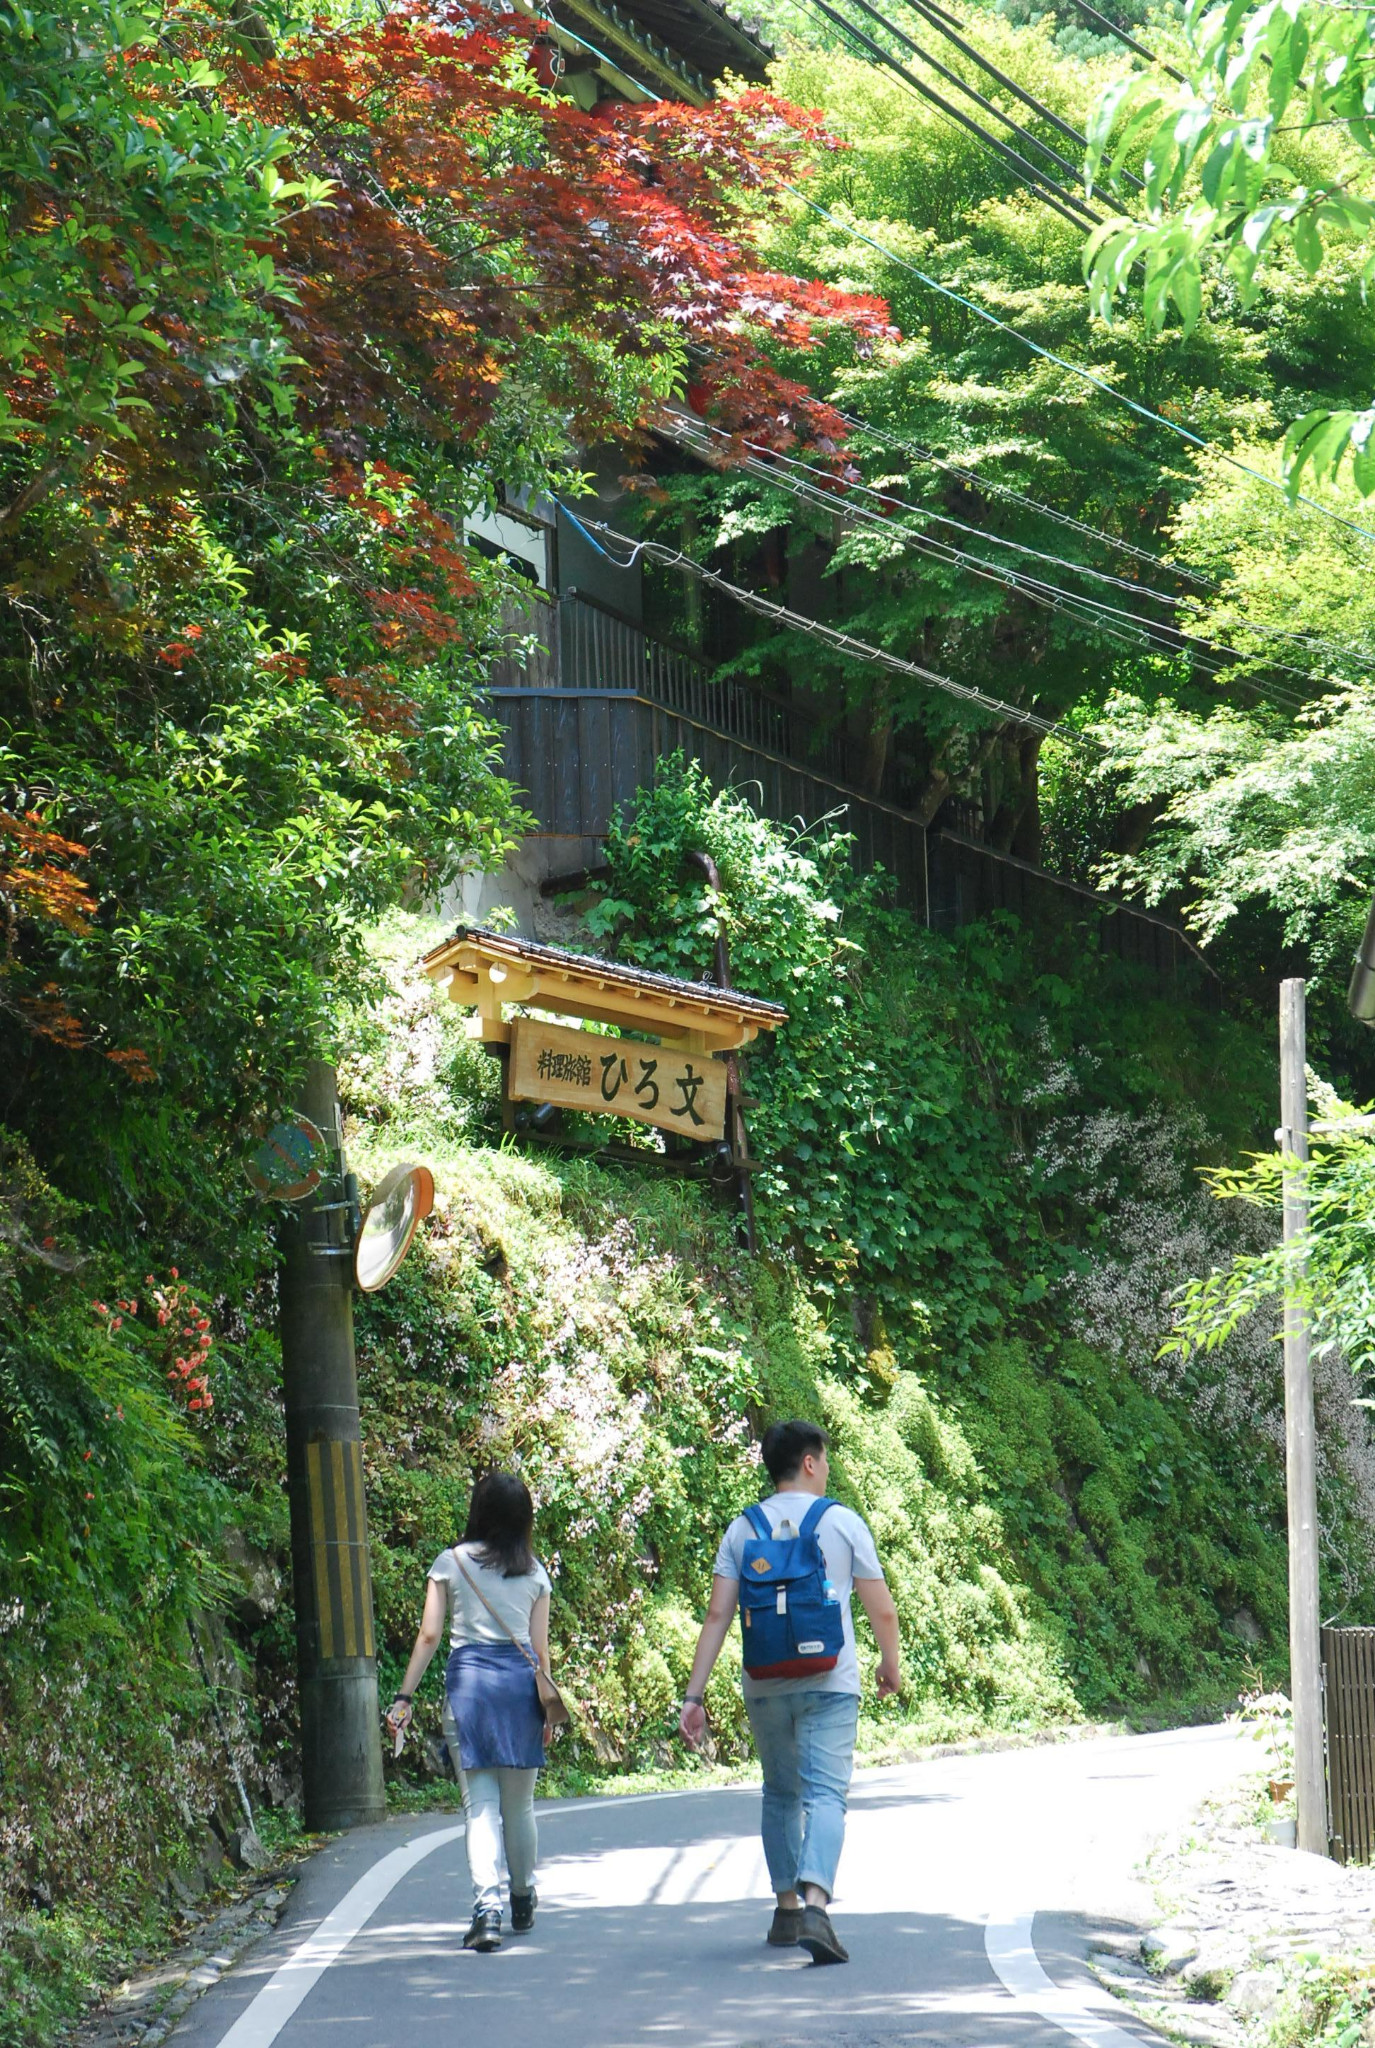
column 978, row 481
column 1110, row 28
column 1075, row 369
column 1045, row 189
column 830, row 636
column 1106, row 618
column 946, row 25
column 988, row 105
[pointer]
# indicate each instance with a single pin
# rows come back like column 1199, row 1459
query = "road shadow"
column 700, row 1975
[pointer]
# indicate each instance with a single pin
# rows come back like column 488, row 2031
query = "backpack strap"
column 759, row 1522
column 814, row 1514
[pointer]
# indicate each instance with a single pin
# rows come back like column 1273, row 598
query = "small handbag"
column 553, row 1705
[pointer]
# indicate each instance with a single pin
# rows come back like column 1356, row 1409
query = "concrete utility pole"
column 336, row 1660
column 1310, row 1779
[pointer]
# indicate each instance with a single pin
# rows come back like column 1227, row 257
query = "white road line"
column 261, row 2022
column 259, row 2025
column 1007, row 1943
column 1012, row 1953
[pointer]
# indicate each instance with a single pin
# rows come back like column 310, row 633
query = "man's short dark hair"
column 786, row 1444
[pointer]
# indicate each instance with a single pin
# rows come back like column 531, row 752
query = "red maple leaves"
column 469, row 219
column 39, row 884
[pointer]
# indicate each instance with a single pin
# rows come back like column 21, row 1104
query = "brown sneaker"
column 819, row 1938
column 787, row 1925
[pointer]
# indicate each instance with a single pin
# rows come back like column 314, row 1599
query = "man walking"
column 799, row 1555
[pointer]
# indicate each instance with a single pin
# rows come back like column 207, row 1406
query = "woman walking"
column 496, row 1594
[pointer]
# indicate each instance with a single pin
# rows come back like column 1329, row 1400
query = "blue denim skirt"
column 494, row 1699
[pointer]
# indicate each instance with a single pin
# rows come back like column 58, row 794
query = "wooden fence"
column 579, row 753
column 591, row 704
column 1348, row 1656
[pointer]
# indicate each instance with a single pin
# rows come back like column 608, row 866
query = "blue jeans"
column 806, row 1744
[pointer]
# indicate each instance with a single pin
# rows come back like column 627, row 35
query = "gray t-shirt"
column 848, row 1549
column 513, row 1599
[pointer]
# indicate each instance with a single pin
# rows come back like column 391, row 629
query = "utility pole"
column 336, row 1660
column 1310, row 1778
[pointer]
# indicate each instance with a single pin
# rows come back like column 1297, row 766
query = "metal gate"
column 1348, row 1656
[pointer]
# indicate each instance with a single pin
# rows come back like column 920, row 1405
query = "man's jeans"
column 806, row 1744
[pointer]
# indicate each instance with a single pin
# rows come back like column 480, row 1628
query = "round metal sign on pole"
column 399, row 1204
column 289, row 1164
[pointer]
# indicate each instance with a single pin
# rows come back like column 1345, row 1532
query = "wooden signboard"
column 677, row 1091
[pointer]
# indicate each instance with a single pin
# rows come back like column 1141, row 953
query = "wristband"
column 402, row 1699
column 692, row 1699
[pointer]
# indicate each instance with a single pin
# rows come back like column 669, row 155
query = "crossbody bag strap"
column 505, row 1627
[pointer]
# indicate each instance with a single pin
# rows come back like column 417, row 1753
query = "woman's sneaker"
column 485, row 1933
column 522, row 1912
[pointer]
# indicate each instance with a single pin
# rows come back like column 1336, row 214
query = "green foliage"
column 1250, row 811
column 1326, row 2003
column 947, row 582
column 1326, row 1268
column 1238, row 160
column 178, row 197
column 930, row 1127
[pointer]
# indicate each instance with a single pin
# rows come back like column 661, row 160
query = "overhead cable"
column 1069, row 205
column 830, row 636
column 989, row 106
column 978, row 481
column 946, row 25
column 1344, row 650
column 1117, row 622
column 1075, row 369
column 1110, row 28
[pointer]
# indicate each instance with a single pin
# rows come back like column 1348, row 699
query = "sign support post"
column 1310, row 1778
column 341, row 1750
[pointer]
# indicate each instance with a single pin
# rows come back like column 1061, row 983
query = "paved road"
column 968, row 1892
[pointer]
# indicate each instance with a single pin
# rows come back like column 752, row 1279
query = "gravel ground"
column 1245, row 1919
column 142, row 2011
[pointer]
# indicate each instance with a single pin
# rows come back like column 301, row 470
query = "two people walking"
column 789, row 1565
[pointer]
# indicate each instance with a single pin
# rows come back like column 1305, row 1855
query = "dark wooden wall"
column 594, row 704
column 579, row 753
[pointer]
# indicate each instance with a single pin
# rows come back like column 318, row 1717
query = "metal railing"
column 582, row 644
column 1348, row 1656
column 531, row 629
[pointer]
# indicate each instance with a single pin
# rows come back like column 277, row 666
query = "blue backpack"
column 791, row 1623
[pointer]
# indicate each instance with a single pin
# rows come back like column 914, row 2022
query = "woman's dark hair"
column 501, row 1521
column 786, row 1444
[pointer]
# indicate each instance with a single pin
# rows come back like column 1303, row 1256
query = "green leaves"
column 112, row 139
column 1221, row 195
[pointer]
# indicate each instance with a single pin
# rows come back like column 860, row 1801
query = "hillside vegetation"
column 243, row 735
column 971, row 1226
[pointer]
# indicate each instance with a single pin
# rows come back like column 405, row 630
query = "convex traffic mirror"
column 398, row 1205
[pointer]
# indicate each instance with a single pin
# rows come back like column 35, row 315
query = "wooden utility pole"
column 1310, row 1782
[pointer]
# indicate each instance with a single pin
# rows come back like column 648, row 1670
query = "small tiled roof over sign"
column 487, row 970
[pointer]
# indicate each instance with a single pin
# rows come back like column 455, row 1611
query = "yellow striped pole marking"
column 339, row 1534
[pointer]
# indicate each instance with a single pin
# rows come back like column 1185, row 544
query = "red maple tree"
column 471, row 216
